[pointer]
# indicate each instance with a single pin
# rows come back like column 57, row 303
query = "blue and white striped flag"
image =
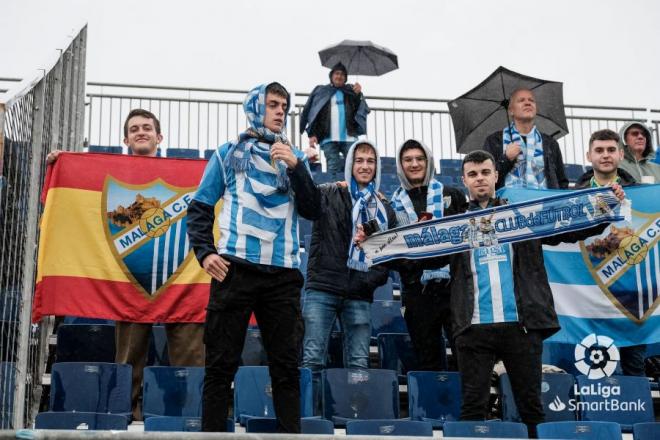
column 608, row 284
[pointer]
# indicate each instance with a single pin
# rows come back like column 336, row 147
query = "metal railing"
column 203, row 118
column 36, row 116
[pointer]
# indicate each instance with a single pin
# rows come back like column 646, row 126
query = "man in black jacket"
column 525, row 157
column 425, row 293
column 501, row 305
column 338, row 286
column 605, row 153
column 334, row 116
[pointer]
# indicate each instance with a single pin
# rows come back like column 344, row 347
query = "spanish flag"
column 113, row 240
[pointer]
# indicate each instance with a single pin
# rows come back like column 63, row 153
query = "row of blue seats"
column 346, row 394
column 450, row 168
column 392, row 427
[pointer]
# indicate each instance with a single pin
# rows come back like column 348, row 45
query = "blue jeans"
column 335, row 155
column 319, row 313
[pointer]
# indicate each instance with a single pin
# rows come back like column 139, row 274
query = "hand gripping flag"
column 113, row 240
column 557, row 214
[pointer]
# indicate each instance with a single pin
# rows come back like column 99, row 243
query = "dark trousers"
column 479, row 347
column 426, row 316
column 275, row 299
column 632, row 360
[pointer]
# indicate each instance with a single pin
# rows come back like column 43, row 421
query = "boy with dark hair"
column 254, row 267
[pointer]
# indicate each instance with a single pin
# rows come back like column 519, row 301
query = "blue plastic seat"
column 386, row 317
column 7, row 383
column 104, row 149
column 434, row 396
column 253, row 394
column 80, row 420
column 396, row 352
column 254, row 353
column 579, row 430
column 308, row 425
column 635, row 390
column 209, row 153
column 389, row 428
column 396, row 279
column 388, row 165
column 91, row 387
column 83, row 320
column 304, row 228
column 557, row 390
column 385, row 292
column 172, row 391
column 158, row 356
column 183, row 153
column 646, row 431
column 86, row 343
column 484, row 429
column 573, row 171
column 349, row 394
column 179, row 424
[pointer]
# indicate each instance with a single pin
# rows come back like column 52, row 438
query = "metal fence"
column 36, row 116
column 203, row 118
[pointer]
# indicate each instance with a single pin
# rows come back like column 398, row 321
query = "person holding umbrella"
column 334, row 116
column 524, row 156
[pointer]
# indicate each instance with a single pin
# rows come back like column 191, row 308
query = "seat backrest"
column 563, row 356
column 158, row 356
column 396, row 352
column 253, row 393
column 646, row 431
column 386, row 317
column 80, row 421
column 359, row 394
column 7, row 384
column 105, row 149
column 268, row 425
column 254, row 353
column 84, row 320
column 185, row 153
column 579, row 430
column 631, row 394
column 434, row 395
column 389, row 428
column 172, row 391
column 91, row 387
column 484, row 429
column 385, row 292
column 557, row 393
column 178, row 424
column 85, row 343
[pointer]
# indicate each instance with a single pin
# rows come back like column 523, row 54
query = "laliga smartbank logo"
column 596, row 357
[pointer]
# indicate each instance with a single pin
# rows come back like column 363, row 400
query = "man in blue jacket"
column 254, row 266
column 334, row 116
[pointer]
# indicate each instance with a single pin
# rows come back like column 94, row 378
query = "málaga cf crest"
column 624, row 262
column 146, row 230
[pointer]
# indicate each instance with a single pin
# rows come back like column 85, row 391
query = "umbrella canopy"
column 360, row 57
column 483, row 110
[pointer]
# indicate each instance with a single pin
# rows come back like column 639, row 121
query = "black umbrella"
column 360, row 57
column 483, row 110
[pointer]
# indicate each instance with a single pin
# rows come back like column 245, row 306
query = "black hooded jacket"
column 585, row 180
column 411, row 271
column 330, row 207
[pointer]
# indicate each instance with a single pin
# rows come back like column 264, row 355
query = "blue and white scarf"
column 564, row 211
column 405, row 214
column 257, row 139
column 362, row 199
column 528, row 170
